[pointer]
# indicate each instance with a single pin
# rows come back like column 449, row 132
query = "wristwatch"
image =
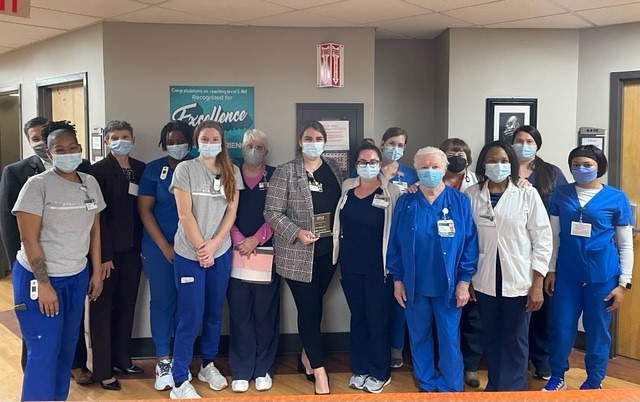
column 626, row 285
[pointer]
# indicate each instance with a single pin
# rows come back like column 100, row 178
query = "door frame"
column 43, row 100
column 10, row 89
column 616, row 87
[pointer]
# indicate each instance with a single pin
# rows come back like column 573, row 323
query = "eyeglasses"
column 373, row 163
column 259, row 148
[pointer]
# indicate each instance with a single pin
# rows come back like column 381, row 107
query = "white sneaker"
column 164, row 379
column 185, row 391
column 357, row 381
column 211, row 375
column 264, row 383
column 239, row 385
column 374, row 385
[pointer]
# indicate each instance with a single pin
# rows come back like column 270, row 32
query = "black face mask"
column 456, row 164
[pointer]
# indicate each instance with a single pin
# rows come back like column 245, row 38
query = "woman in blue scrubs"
column 545, row 177
column 394, row 141
column 159, row 216
column 592, row 224
column 432, row 254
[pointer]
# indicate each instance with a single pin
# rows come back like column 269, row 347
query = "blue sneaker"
column 555, row 384
column 586, row 385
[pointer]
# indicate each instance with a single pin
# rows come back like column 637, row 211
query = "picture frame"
column 504, row 115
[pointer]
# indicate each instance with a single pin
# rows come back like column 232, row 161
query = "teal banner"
column 232, row 107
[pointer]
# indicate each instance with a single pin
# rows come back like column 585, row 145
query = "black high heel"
column 302, row 370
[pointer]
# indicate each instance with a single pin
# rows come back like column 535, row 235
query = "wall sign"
column 330, row 59
column 232, row 107
column 15, row 8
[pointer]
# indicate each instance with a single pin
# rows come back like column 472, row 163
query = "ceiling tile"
column 365, row 11
column 577, row 5
column 301, row 4
column 27, row 32
column 150, row 1
column 505, row 10
column 94, row 8
column 52, row 19
column 423, row 26
column 12, row 41
column 613, row 15
column 159, row 15
column 442, row 5
column 5, row 49
column 229, row 10
column 299, row 19
column 567, row 20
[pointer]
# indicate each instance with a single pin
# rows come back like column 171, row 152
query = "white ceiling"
column 393, row 19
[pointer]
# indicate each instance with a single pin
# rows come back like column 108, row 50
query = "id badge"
column 263, row 185
column 580, row 229
column 164, row 172
column 446, row 228
column 380, row 201
column 216, row 185
column 401, row 185
column 486, row 220
column 316, row 187
column 90, row 204
column 133, row 189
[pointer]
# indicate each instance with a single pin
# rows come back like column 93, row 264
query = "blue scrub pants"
column 397, row 324
column 539, row 336
column 420, row 314
column 471, row 336
column 368, row 299
column 254, row 327
column 201, row 293
column 164, row 296
column 570, row 298
column 505, row 336
column 50, row 341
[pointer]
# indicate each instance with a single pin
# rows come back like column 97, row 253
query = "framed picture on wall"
column 504, row 115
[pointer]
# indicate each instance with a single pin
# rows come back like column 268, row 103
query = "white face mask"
column 209, row 150
column 313, row 150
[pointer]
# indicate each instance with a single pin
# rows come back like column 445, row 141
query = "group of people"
column 496, row 262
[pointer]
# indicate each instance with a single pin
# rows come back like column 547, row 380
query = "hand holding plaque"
column 322, row 225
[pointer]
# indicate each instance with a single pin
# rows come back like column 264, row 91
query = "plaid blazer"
column 288, row 209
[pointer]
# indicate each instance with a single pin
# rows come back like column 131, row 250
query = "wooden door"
column 67, row 103
column 628, row 341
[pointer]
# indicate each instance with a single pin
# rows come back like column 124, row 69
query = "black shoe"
column 133, row 370
column 112, row 386
column 302, row 370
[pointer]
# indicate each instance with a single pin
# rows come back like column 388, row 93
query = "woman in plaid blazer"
column 300, row 206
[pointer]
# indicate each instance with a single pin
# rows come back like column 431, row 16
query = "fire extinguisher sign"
column 330, row 65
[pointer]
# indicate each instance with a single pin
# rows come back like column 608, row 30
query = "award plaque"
column 322, row 225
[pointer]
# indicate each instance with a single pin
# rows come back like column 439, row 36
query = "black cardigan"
column 120, row 224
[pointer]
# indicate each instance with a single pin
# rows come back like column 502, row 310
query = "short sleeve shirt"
column 68, row 210
column 155, row 182
column 209, row 204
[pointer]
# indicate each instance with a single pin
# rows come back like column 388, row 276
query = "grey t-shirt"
column 209, row 204
column 67, row 210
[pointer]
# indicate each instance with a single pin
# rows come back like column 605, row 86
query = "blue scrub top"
column 590, row 259
column 458, row 254
column 164, row 209
column 431, row 275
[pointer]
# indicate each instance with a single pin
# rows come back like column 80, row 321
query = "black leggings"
column 308, row 298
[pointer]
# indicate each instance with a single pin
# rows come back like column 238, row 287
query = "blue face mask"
column 209, row 150
column 178, row 152
column 525, row 152
column 367, row 172
column 430, row 178
column 121, row 147
column 312, row 150
column 584, row 174
column 497, row 172
column 66, row 163
column 391, row 154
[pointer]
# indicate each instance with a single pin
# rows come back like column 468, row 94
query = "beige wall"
column 76, row 52
column 519, row 63
column 143, row 60
column 404, row 87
